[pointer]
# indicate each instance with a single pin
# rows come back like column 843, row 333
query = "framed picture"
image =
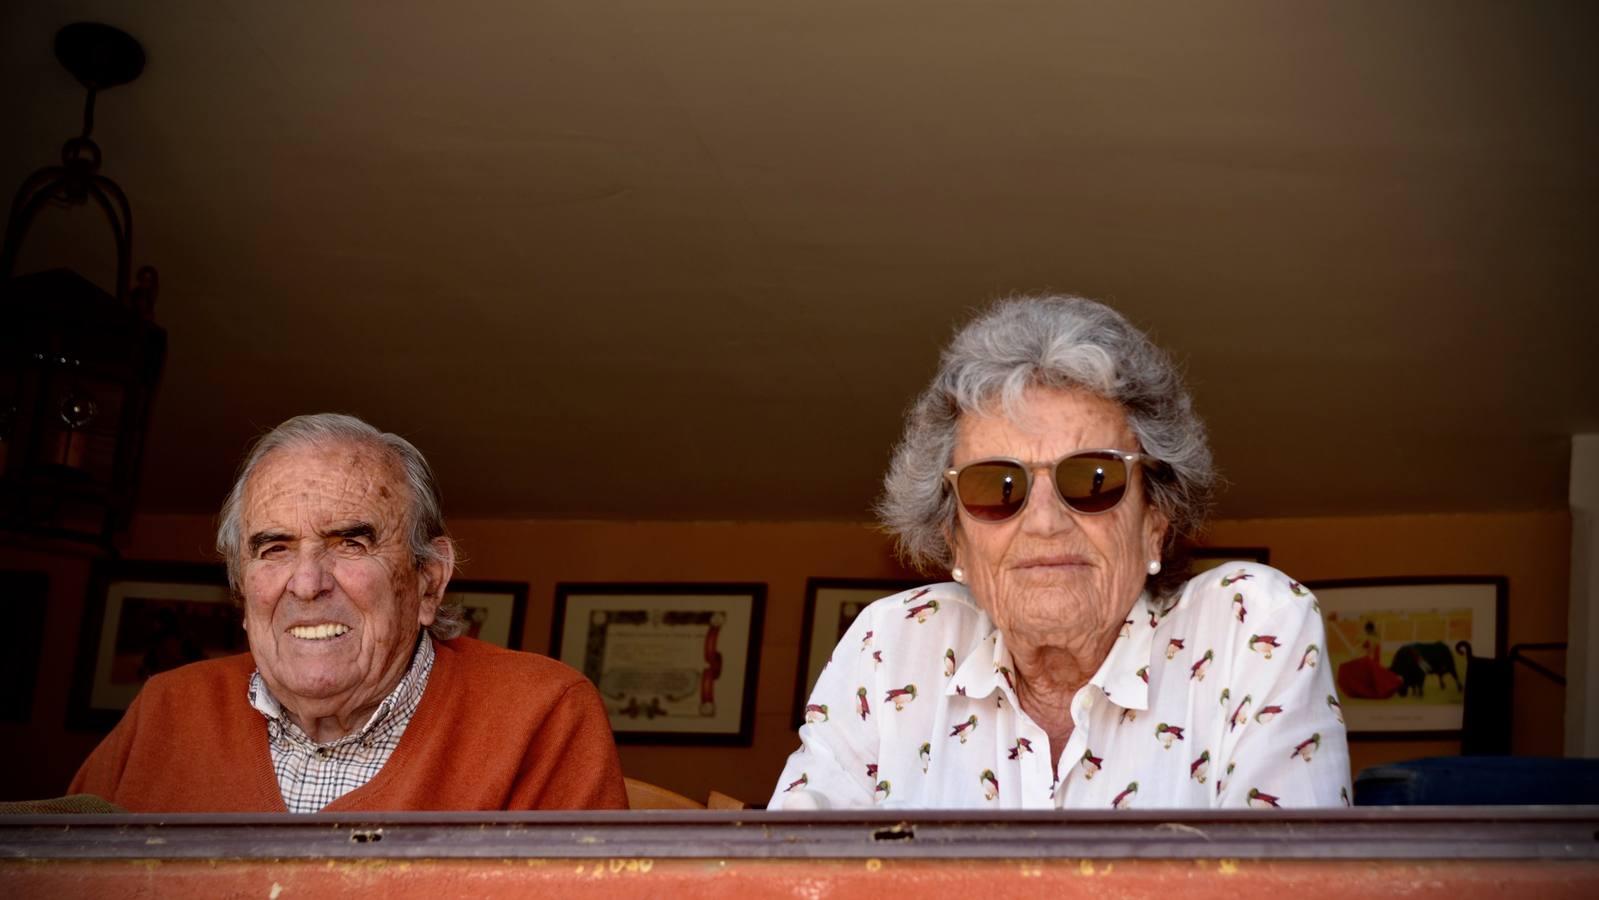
column 674, row 663
column 22, row 596
column 493, row 609
column 1203, row 559
column 831, row 605
column 142, row 618
column 1397, row 648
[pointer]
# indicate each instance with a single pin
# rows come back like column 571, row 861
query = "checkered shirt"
column 312, row 775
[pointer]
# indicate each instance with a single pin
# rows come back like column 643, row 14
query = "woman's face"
column 1050, row 576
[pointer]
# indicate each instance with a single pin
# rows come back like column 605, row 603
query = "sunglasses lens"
column 992, row 491
column 1091, row 482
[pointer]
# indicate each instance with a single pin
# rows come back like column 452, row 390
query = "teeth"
column 319, row 632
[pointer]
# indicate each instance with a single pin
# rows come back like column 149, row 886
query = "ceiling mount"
column 98, row 55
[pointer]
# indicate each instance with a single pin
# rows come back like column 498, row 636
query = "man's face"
column 333, row 598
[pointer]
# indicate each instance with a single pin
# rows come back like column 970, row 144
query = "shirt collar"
column 402, row 697
column 1122, row 676
column 978, row 674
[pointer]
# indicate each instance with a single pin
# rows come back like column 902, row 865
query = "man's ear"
column 435, row 577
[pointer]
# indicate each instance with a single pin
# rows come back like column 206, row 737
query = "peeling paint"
column 624, row 878
column 630, row 866
column 619, row 866
column 1180, row 828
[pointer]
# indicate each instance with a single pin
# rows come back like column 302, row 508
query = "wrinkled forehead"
column 326, row 481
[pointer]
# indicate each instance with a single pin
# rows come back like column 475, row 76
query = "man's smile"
column 322, row 632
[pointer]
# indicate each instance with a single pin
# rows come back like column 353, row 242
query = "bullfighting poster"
column 1398, row 649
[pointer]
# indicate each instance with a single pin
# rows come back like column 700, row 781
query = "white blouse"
column 1219, row 698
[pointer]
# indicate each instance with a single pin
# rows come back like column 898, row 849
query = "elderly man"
column 357, row 693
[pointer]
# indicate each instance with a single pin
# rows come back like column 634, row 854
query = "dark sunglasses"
column 1088, row 482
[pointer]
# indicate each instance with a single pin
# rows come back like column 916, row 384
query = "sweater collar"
column 397, row 708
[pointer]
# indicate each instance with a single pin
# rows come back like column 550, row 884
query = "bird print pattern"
column 1214, row 697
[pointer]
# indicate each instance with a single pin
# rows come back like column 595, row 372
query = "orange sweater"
column 495, row 730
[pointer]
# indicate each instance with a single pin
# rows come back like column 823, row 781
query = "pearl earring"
column 1154, row 567
column 958, row 573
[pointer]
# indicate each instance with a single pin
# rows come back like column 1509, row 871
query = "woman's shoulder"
column 1256, row 586
column 929, row 609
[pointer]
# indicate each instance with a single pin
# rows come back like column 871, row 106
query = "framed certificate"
column 674, row 663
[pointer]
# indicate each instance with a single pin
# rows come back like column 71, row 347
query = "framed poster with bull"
column 674, row 663
column 1398, row 647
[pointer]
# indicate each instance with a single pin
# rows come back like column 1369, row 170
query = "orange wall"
column 1532, row 549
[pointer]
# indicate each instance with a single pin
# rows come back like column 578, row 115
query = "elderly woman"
column 1053, row 465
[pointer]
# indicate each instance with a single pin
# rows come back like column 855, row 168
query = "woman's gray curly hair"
column 426, row 513
column 1056, row 342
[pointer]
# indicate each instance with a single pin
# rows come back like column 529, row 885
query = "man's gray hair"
column 425, row 512
column 1054, row 342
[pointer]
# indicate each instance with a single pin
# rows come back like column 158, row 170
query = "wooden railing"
column 1536, row 853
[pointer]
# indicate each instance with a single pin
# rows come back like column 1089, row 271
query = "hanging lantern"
column 78, row 365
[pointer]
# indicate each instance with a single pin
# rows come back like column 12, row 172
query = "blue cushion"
column 1480, row 781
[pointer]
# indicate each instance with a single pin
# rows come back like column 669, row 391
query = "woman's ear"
column 1156, row 524
column 952, row 539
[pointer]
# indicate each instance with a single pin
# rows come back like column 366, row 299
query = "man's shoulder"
column 181, row 689
column 206, row 672
column 475, row 660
